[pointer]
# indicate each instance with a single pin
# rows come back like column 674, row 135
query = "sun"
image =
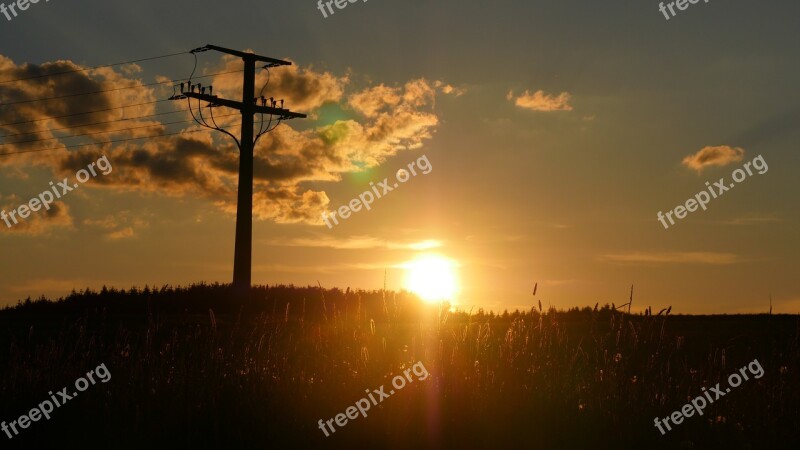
column 432, row 277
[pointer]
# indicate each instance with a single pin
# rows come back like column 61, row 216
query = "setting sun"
column 432, row 277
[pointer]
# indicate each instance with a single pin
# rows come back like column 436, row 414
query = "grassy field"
column 204, row 366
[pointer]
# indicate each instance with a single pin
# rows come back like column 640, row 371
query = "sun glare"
column 432, row 277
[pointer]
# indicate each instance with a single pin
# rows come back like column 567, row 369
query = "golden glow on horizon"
column 432, row 277
column 425, row 245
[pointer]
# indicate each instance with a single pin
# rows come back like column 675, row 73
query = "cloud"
column 204, row 163
column 321, row 269
column 372, row 100
column 119, row 225
column 124, row 233
column 302, row 89
column 39, row 222
column 711, row 258
column 498, row 238
column 354, row 243
column 423, row 245
column 713, row 156
column 540, row 101
column 450, row 89
column 28, row 118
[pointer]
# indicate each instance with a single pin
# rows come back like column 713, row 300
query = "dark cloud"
column 206, row 163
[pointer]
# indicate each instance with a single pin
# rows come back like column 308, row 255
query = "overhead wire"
column 191, row 76
column 93, row 68
column 20, row 102
column 261, row 130
column 97, row 123
column 107, row 142
column 81, row 113
column 261, row 94
column 120, row 130
column 203, row 121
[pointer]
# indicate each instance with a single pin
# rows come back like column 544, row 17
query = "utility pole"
column 242, row 258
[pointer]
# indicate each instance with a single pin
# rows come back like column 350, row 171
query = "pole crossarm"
column 244, row 55
column 215, row 100
column 248, row 107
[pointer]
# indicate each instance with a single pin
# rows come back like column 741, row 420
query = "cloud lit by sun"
column 432, row 277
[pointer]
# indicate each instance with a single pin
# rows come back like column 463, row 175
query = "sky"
column 552, row 133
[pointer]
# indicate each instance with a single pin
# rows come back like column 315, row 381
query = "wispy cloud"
column 321, row 269
column 118, row 226
column 124, row 233
column 712, row 258
column 495, row 238
column 541, row 101
column 450, row 89
column 721, row 155
column 37, row 223
column 354, row 243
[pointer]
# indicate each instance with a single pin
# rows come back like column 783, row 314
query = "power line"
column 80, row 114
column 95, row 67
column 97, row 123
column 20, row 102
column 109, row 142
column 107, row 131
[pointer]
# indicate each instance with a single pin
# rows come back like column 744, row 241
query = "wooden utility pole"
column 242, row 258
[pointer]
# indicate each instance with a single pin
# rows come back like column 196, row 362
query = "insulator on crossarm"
column 182, row 85
column 203, row 91
column 210, row 90
column 281, row 103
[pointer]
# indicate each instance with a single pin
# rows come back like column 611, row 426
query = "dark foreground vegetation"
column 206, row 367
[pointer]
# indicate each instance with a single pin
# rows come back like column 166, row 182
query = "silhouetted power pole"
column 242, row 258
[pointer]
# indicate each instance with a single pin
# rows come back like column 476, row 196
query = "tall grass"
column 205, row 366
